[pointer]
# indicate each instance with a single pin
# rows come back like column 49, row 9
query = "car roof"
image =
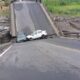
column 37, row 30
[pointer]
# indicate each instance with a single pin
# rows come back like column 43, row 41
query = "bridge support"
column 13, row 23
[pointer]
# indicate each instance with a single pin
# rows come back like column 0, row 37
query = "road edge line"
column 5, row 51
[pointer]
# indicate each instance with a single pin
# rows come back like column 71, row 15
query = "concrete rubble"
column 4, row 30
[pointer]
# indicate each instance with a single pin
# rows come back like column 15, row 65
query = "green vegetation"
column 63, row 7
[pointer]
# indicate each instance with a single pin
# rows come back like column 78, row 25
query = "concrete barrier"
column 13, row 23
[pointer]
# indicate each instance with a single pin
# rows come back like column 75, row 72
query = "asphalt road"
column 40, row 60
column 65, row 42
column 30, row 17
column 47, row 59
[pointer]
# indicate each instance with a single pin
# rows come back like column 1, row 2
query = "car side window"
column 34, row 33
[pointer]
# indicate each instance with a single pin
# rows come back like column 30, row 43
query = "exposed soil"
column 69, row 26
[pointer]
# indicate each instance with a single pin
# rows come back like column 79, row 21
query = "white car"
column 37, row 34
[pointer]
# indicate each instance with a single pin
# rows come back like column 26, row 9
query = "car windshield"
column 20, row 34
column 34, row 33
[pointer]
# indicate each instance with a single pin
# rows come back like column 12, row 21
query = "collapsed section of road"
column 28, row 16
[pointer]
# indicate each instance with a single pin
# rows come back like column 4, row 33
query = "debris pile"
column 69, row 26
column 4, row 29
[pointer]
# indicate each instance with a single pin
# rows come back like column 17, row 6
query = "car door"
column 35, row 35
column 39, row 33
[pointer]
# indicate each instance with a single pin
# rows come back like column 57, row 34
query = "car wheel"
column 30, row 39
column 43, row 36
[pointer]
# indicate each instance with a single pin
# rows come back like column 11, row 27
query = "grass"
column 63, row 7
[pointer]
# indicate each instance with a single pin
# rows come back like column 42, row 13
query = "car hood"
column 29, row 36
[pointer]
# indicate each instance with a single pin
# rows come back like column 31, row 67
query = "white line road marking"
column 5, row 51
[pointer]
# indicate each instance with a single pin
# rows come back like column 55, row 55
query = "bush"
column 63, row 7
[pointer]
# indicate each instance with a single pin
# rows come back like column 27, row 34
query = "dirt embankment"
column 69, row 26
column 4, row 29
